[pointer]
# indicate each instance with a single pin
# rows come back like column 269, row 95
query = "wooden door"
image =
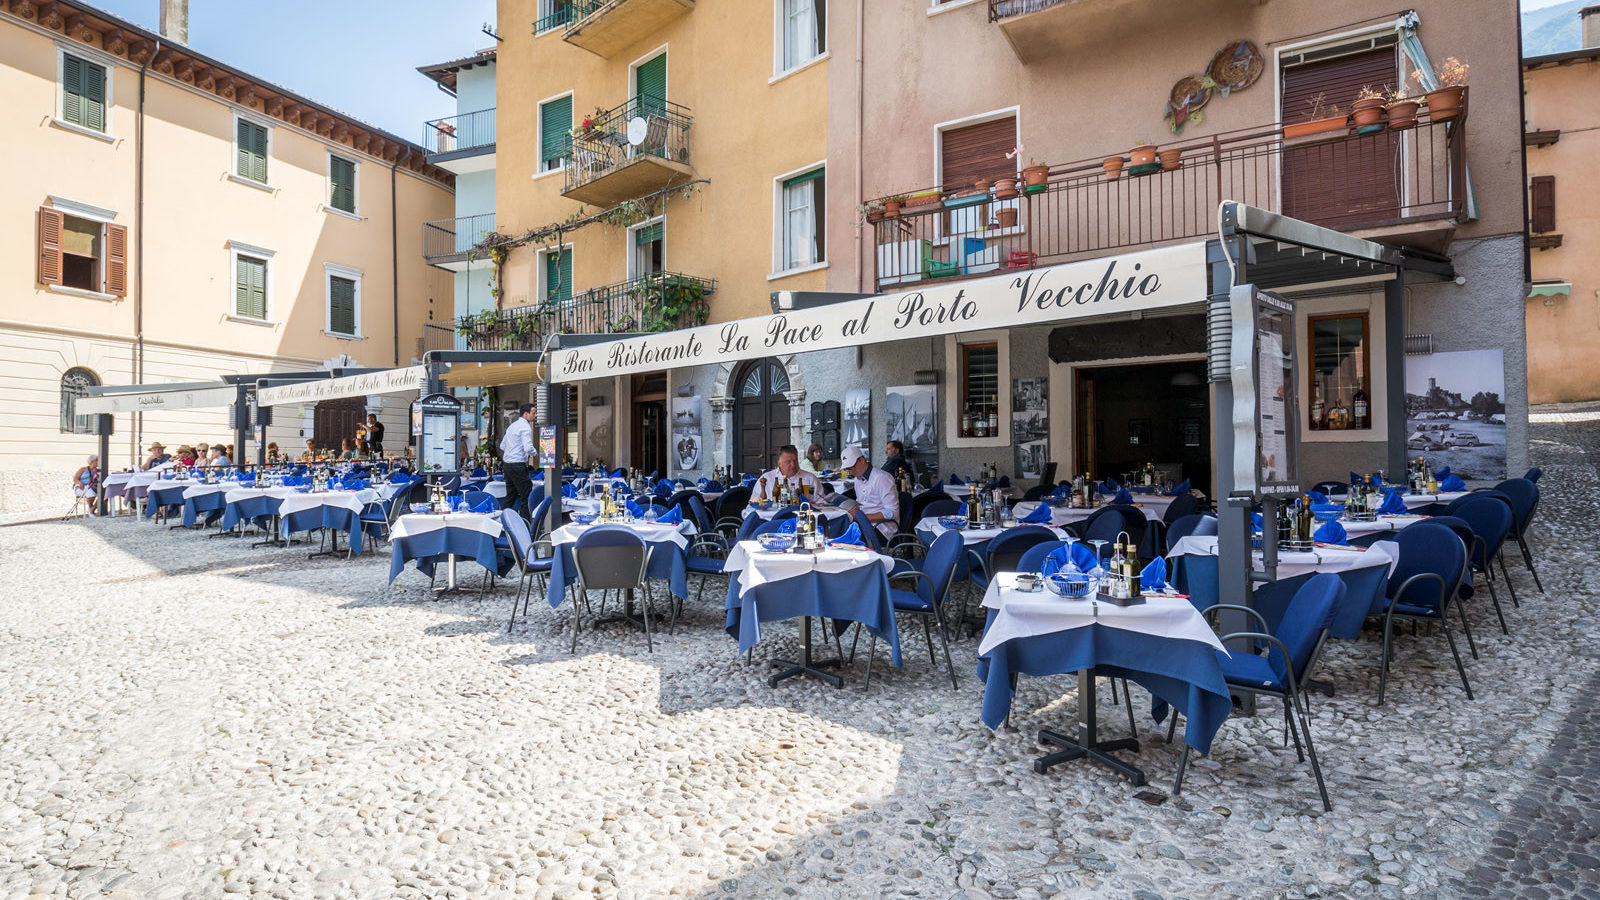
column 335, row 420
column 761, row 414
column 1349, row 181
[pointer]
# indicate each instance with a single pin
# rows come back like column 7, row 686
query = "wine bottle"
column 966, row 422
column 1133, row 569
column 1362, row 413
column 994, row 420
column 1317, row 408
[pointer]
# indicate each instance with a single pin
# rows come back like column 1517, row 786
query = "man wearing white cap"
column 875, row 491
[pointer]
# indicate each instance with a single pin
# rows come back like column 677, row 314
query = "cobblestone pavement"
column 184, row 717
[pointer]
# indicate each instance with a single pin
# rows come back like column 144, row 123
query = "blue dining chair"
column 869, row 533
column 1033, row 560
column 1194, row 524
column 533, row 559
column 1534, row 474
column 748, row 527
column 1004, row 552
column 730, row 509
column 1422, row 586
column 945, row 507
column 472, row 499
column 1524, row 496
column 926, row 599
column 1490, row 521
column 611, row 558
column 1291, row 654
column 1181, row 505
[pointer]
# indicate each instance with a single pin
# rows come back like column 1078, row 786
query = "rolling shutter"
column 650, row 85
column 341, row 305
column 649, row 234
column 1341, row 183
column 1544, row 203
column 117, row 260
column 342, row 174
column 978, row 152
column 250, row 288
column 555, row 131
column 49, row 246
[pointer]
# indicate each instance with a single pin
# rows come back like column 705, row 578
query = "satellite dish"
column 637, row 129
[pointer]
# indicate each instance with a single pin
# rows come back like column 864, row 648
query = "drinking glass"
column 1099, row 572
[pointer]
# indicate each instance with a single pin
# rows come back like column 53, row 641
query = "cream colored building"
column 219, row 226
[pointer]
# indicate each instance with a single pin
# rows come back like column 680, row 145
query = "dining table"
column 427, row 539
column 1152, row 507
column 840, row 584
column 338, row 511
column 669, row 554
column 1162, row 644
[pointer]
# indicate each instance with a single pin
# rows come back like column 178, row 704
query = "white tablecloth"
column 1062, row 515
column 829, row 512
column 412, row 524
column 962, row 491
column 970, row 536
column 1026, row 614
column 248, row 493
column 1412, row 501
column 1382, row 525
column 354, row 501
column 1324, row 558
column 757, row 566
column 650, row 532
column 201, row 489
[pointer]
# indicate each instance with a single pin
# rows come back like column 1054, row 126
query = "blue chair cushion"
column 908, row 600
column 1411, row 609
column 704, row 565
column 1246, row 670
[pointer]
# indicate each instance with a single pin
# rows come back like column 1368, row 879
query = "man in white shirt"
column 875, row 491
column 789, row 472
column 516, row 451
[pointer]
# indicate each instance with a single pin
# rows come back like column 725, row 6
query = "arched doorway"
column 75, row 383
column 760, row 414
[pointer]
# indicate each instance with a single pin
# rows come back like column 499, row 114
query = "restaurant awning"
column 145, row 398
column 383, row 381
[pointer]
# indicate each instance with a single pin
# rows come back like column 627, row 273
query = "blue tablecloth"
column 668, row 562
column 1197, row 577
column 433, row 547
column 164, row 494
column 337, row 517
column 255, row 510
column 1182, row 673
column 212, row 504
column 860, row 595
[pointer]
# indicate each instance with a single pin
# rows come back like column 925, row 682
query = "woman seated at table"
column 273, row 452
column 362, row 449
column 347, row 449
column 186, row 457
column 813, row 462
column 201, row 451
column 86, row 482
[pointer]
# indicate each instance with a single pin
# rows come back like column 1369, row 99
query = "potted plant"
column 1113, row 166
column 1446, row 101
column 1402, row 110
column 1035, row 175
column 869, row 212
column 1367, row 111
column 1171, row 158
column 892, row 205
column 981, row 185
column 1142, row 154
column 1005, row 217
column 1005, row 188
column 923, row 198
column 1322, row 119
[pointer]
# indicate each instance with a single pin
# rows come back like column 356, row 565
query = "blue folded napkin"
column 1331, row 532
column 701, row 483
column 1355, row 478
column 568, row 490
column 1392, row 504
column 1004, row 481
column 1452, row 483
column 1442, row 474
column 1317, row 496
column 787, row 526
column 1154, row 576
column 662, row 489
column 956, row 479
column 457, row 502
column 712, row 487
column 1061, row 491
column 1123, row 497
column 568, row 472
column 1082, row 556
column 487, row 506
column 673, row 516
column 1040, row 515
column 938, row 485
column 748, row 481
column 403, row 478
column 479, row 472
column 962, row 512
column 1255, row 521
column 851, row 537
column 499, row 477
column 620, row 473
column 1179, row 489
column 635, row 510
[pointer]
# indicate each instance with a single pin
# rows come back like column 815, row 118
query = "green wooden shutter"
column 342, row 173
column 252, row 141
column 650, row 233
column 94, row 96
column 250, row 289
column 555, row 131
column 812, row 175
column 341, row 305
column 650, row 85
column 558, row 275
column 72, row 89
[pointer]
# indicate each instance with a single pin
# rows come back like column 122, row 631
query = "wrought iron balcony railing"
column 1001, row 9
column 639, row 146
column 661, row 302
column 460, row 133
column 450, row 242
column 1340, row 180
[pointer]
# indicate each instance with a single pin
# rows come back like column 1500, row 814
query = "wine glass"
column 1099, row 572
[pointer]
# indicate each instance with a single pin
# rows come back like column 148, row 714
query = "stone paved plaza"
column 188, row 717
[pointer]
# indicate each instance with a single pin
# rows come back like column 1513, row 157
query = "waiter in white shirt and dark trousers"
column 875, row 491
column 516, row 449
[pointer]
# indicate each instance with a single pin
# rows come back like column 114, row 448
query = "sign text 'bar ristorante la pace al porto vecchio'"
column 1150, row 279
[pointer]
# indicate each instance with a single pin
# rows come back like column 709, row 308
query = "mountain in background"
column 1554, row 29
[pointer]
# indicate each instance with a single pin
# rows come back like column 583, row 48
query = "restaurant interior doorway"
column 1131, row 414
column 650, row 424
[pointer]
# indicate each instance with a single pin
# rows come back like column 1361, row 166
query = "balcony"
column 661, row 302
column 436, row 336
column 449, row 243
column 1400, row 187
column 632, row 150
column 461, row 144
column 607, row 27
column 1039, row 30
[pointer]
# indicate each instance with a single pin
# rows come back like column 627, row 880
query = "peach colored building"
column 180, row 220
column 1563, row 306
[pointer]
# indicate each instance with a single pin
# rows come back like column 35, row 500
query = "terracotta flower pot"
column 875, row 216
column 1446, row 103
column 1006, row 217
column 981, row 185
column 1035, row 176
column 891, row 209
column 1171, row 158
column 1005, row 188
column 1367, row 112
column 916, row 200
column 1315, row 126
column 1142, row 155
column 1113, row 166
column 1403, row 114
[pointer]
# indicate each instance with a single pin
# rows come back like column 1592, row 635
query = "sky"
column 1528, row 5
column 357, row 56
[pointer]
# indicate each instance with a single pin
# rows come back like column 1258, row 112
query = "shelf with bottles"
column 1339, row 407
column 980, row 420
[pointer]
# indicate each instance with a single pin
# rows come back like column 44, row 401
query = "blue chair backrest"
column 940, row 565
column 1308, row 616
column 749, row 527
column 1190, row 524
column 836, row 526
column 540, row 510
column 1331, row 487
column 869, row 534
column 1426, row 547
column 1105, row 524
column 681, row 500
column 1534, row 474
column 945, row 507
column 473, row 498
column 1524, row 496
column 1181, row 505
column 1033, row 558
column 453, row 483
column 767, row 527
column 920, row 502
column 537, row 494
column 696, row 511
column 1005, row 550
column 1489, row 519
column 1036, row 492
column 610, row 557
column 517, row 533
column 732, row 502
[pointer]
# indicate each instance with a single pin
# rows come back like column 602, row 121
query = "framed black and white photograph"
column 1139, row 433
column 1030, row 426
column 1189, row 431
column 858, row 417
column 686, row 433
column 910, row 417
column 1456, row 412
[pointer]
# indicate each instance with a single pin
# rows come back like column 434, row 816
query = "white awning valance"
column 388, row 381
column 155, row 398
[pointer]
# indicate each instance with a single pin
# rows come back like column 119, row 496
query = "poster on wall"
column 910, row 417
column 686, row 442
column 858, row 417
column 1030, row 432
column 547, row 445
column 597, row 431
column 1456, row 412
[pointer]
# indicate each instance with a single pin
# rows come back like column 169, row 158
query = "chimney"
column 1591, row 26
column 175, row 20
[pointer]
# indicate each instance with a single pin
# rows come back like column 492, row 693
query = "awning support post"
column 103, row 425
column 1394, row 356
column 1234, row 560
column 241, row 424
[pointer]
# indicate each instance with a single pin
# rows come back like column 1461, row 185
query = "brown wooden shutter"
column 1338, row 80
column 1341, row 183
column 978, row 152
column 50, row 223
column 117, row 260
column 1544, row 203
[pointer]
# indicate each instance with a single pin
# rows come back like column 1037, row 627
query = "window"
column 342, row 184
column 555, row 133
column 977, row 409
column 343, row 301
column 969, row 153
column 250, row 149
column 979, row 384
column 804, row 221
column 649, row 242
column 249, row 287
column 1543, row 203
column 1340, row 185
column 803, row 32
column 75, row 383
column 650, row 85
column 557, row 274
column 1340, row 372
column 83, row 93
column 81, row 253
column 552, row 14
